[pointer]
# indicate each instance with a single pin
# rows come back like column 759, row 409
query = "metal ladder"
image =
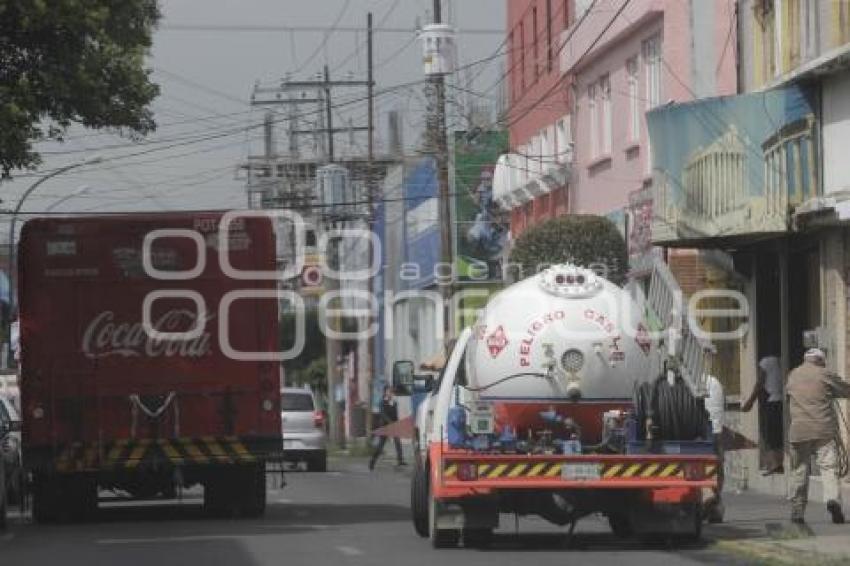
column 682, row 348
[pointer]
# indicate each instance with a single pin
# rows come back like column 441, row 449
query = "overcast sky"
column 207, row 74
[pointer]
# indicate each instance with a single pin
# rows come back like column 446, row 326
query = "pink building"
column 624, row 58
column 578, row 134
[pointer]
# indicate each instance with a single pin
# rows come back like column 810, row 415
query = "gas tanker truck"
column 566, row 398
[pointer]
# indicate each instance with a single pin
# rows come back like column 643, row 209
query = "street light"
column 13, row 221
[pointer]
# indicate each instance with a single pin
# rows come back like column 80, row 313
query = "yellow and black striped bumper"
column 130, row 454
column 607, row 471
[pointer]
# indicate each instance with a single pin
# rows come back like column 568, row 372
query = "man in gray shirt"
column 811, row 391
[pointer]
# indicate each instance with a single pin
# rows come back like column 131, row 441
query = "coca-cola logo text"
column 104, row 337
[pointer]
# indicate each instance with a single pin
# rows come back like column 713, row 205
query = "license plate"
column 580, row 472
column 288, row 443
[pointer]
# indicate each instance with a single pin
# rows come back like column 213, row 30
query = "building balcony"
column 516, row 182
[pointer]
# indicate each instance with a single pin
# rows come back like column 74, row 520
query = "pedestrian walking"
column 388, row 415
column 715, row 406
column 768, row 392
column 814, row 432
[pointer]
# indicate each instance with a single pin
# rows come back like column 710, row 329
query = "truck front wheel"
column 419, row 499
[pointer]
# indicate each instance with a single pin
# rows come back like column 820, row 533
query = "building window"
column 607, row 119
column 537, row 145
column 512, row 60
column 652, row 65
column 522, row 54
column 535, row 53
column 562, row 139
column 634, row 95
column 593, row 113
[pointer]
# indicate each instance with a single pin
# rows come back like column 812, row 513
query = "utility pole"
column 440, row 141
column 370, row 189
column 329, row 114
column 296, row 173
column 333, row 348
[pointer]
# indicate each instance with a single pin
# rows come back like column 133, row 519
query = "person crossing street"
column 814, row 432
column 389, row 415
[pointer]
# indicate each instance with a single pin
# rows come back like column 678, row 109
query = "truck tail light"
column 38, row 412
column 318, row 419
column 694, row 471
column 467, row 471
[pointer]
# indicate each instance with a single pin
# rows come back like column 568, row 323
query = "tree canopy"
column 589, row 241
column 65, row 62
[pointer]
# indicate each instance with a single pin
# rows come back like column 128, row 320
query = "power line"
column 328, row 33
column 362, row 44
column 264, row 28
column 199, row 86
column 182, row 141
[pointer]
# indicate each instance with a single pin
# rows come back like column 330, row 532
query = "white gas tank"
column 563, row 333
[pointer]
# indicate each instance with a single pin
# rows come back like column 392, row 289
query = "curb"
column 774, row 552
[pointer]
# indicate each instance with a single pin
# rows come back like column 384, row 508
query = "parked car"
column 303, row 424
column 10, row 448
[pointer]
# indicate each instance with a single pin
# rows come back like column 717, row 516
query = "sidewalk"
column 758, row 526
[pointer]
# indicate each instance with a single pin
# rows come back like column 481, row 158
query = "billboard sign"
column 481, row 227
column 732, row 165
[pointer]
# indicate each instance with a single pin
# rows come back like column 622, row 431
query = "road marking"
column 159, row 540
column 350, row 550
column 203, row 538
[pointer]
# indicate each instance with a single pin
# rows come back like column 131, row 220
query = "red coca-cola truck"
column 146, row 403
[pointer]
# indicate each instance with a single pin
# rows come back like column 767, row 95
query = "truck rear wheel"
column 419, row 500
column 253, row 503
column 318, row 463
column 477, row 538
column 621, row 525
column 440, row 538
column 63, row 497
column 236, row 490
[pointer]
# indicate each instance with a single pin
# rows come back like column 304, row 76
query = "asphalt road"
column 345, row 516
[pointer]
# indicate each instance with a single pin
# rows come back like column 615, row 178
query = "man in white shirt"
column 715, row 406
column 768, row 390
